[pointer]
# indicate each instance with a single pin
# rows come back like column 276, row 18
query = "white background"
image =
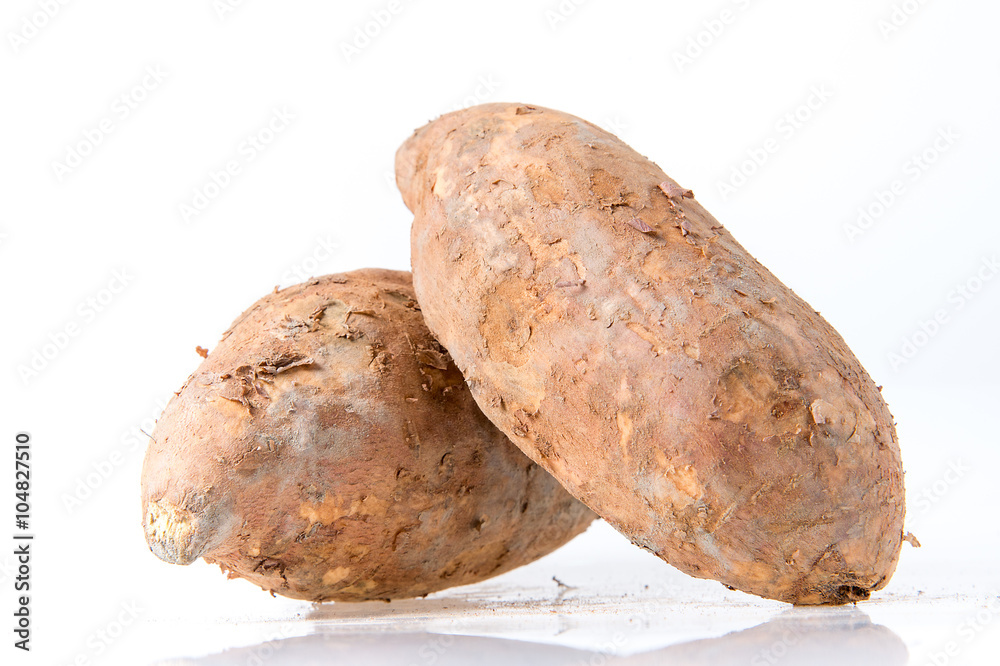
column 92, row 186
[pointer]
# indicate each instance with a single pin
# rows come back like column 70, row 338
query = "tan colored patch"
column 822, row 411
column 361, row 588
column 753, row 572
column 581, row 268
column 685, row 480
column 609, row 189
column 745, row 392
column 674, row 265
column 325, row 512
column 369, row 506
column 658, row 265
column 356, row 552
column 545, row 186
column 720, row 518
column 658, row 345
column 330, row 509
column 522, row 387
column 334, row 576
column 506, row 327
column 443, row 188
column 676, row 486
column 566, row 474
column 233, row 417
column 625, row 428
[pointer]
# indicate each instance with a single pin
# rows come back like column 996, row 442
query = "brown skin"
column 628, row 344
column 328, row 449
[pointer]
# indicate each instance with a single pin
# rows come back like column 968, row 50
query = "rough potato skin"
column 328, row 449
column 628, row 344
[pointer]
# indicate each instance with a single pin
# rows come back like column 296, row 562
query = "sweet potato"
column 328, row 449
column 628, row 344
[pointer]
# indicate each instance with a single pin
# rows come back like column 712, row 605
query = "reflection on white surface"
column 831, row 636
column 618, row 604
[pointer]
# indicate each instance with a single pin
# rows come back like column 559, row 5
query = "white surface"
column 325, row 180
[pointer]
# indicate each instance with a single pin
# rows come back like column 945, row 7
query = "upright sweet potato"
column 628, row 344
column 328, row 449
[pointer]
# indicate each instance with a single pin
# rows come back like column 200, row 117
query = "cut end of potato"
column 171, row 532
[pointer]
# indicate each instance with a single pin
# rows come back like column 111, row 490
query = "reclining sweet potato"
column 628, row 344
column 328, row 449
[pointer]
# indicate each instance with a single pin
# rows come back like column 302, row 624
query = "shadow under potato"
column 794, row 637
